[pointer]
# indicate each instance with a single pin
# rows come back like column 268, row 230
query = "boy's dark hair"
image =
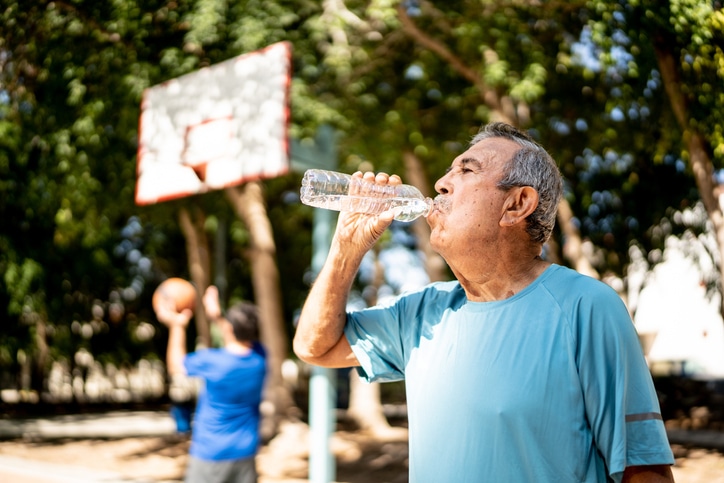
column 244, row 319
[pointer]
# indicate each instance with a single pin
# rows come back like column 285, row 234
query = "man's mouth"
column 442, row 204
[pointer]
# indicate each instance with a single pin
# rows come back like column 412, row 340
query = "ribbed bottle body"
column 342, row 192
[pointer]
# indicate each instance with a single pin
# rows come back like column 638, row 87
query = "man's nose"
column 442, row 186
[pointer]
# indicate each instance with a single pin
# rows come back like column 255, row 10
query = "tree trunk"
column 365, row 408
column 699, row 158
column 41, row 355
column 573, row 246
column 248, row 202
column 197, row 252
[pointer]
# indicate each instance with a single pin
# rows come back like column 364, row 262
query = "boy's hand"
column 166, row 313
column 211, row 303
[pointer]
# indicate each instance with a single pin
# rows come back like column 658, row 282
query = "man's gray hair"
column 530, row 166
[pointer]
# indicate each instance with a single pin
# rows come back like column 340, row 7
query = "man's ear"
column 520, row 203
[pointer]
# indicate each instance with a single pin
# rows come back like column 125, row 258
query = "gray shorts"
column 230, row 471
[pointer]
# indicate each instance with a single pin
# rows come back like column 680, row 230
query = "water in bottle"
column 342, row 192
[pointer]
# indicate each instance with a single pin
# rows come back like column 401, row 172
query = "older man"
column 518, row 371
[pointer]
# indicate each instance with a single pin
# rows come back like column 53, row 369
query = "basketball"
column 178, row 289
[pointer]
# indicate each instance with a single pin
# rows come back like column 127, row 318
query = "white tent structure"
column 680, row 327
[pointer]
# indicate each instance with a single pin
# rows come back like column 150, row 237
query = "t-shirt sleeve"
column 375, row 338
column 196, row 363
column 621, row 402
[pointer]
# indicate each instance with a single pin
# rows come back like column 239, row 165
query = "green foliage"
column 72, row 76
column 631, row 32
column 19, row 280
column 389, row 76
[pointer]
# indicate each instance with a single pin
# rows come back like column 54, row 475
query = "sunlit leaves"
column 532, row 86
column 19, row 279
column 205, row 20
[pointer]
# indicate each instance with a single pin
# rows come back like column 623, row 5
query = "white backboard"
column 216, row 127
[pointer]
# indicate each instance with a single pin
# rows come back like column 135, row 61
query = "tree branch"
column 487, row 93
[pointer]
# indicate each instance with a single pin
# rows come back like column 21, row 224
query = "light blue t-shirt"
column 549, row 385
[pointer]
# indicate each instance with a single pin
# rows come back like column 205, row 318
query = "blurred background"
column 627, row 96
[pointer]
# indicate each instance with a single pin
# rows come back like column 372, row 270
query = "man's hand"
column 357, row 233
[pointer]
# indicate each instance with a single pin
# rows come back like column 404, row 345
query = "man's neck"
column 501, row 280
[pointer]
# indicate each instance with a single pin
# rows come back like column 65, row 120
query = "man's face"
column 477, row 205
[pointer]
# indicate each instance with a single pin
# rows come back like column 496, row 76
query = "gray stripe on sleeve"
column 642, row 417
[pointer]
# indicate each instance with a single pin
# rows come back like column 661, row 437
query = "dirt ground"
column 360, row 457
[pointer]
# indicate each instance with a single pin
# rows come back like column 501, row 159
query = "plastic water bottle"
column 342, row 192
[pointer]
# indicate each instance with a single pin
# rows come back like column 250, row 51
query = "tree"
column 407, row 83
column 66, row 140
column 249, row 204
column 67, row 150
column 680, row 44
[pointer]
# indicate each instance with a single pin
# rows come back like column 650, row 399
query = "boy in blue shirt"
column 225, row 432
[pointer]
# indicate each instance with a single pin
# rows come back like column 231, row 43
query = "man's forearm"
column 321, row 323
column 320, row 331
column 648, row 474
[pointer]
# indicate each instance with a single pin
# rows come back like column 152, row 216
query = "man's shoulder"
column 439, row 289
column 436, row 292
column 576, row 293
column 572, row 282
column 585, row 300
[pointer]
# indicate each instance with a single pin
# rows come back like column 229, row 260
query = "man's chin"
column 435, row 241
